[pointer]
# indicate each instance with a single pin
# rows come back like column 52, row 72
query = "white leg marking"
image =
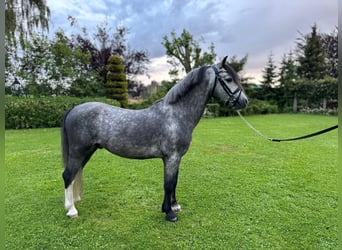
column 176, row 208
column 69, row 202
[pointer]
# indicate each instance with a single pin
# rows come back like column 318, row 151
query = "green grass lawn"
column 237, row 191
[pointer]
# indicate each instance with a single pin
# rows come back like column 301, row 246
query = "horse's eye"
column 229, row 79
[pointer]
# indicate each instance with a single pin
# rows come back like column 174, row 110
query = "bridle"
column 233, row 96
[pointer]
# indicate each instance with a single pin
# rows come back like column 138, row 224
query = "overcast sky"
column 235, row 27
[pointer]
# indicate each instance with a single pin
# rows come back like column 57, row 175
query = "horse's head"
column 229, row 88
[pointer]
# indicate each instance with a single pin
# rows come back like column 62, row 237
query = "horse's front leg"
column 171, row 165
column 174, row 205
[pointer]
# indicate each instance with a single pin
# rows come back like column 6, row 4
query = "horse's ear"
column 224, row 60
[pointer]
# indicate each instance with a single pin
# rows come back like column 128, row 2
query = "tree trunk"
column 324, row 103
column 294, row 106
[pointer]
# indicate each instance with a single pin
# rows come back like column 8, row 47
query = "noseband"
column 233, row 96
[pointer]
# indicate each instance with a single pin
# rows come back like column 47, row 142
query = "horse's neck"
column 191, row 106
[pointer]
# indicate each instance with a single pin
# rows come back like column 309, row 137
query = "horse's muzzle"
column 240, row 102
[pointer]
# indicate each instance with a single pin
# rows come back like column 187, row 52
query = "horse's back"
column 89, row 113
column 92, row 107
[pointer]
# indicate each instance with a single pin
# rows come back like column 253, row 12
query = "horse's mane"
column 185, row 85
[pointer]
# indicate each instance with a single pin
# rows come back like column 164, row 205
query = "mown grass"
column 237, row 191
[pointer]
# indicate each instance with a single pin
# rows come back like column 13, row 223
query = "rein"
column 288, row 139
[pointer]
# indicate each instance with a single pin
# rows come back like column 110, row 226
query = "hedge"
column 261, row 107
column 254, row 107
column 46, row 112
column 41, row 112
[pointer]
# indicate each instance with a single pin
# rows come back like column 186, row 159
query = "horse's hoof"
column 72, row 213
column 171, row 217
column 72, row 216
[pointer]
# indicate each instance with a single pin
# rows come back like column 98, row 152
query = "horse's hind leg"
column 72, row 176
column 69, row 202
column 69, row 174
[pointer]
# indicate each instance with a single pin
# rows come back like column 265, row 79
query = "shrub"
column 254, row 107
column 261, row 107
column 212, row 110
column 116, row 85
column 319, row 111
column 41, row 112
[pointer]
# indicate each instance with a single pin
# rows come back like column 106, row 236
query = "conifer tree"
column 311, row 56
column 269, row 79
column 116, row 84
column 288, row 78
column 269, row 73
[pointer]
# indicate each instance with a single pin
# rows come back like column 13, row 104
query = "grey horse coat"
column 163, row 130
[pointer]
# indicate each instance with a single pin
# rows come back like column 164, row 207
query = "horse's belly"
column 135, row 151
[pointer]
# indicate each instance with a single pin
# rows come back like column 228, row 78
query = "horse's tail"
column 78, row 182
column 64, row 140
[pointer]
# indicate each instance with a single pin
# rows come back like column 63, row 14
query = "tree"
column 269, row 79
column 311, row 56
column 318, row 59
column 269, row 73
column 105, row 43
column 11, row 63
column 330, row 46
column 116, row 85
column 22, row 17
column 238, row 65
column 52, row 67
column 288, row 71
column 34, row 65
column 185, row 52
column 72, row 69
column 288, row 79
column 326, row 89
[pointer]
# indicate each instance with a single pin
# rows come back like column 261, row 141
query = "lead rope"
column 289, row 139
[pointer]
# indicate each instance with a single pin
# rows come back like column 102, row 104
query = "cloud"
column 159, row 70
column 235, row 27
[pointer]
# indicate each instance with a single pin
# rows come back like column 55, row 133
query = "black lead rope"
column 289, row 139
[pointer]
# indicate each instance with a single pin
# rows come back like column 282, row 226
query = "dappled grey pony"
column 163, row 130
